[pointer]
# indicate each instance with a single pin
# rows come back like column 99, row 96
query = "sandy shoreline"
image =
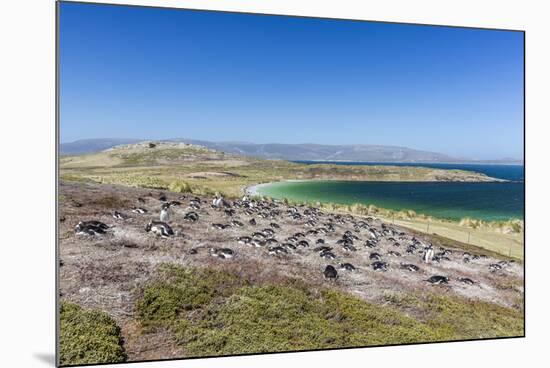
column 252, row 190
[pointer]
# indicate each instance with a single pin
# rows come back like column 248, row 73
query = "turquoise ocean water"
column 485, row 201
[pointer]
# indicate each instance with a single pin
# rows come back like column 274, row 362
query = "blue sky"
column 130, row 72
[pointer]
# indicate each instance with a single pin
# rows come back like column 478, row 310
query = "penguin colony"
column 333, row 237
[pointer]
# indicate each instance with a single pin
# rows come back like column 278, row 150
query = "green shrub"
column 177, row 289
column 260, row 319
column 179, row 186
column 88, row 337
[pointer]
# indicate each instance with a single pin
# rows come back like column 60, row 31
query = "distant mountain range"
column 292, row 152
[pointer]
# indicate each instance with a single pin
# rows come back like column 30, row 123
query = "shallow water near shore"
column 484, row 201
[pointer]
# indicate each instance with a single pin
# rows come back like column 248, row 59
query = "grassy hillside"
column 208, row 171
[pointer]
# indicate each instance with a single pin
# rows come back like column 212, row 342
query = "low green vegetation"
column 460, row 319
column 88, row 337
column 218, row 313
column 177, row 290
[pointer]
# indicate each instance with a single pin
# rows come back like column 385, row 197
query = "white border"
column 27, row 185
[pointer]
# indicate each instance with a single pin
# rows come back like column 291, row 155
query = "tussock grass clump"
column 88, row 337
column 218, row 313
column 514, row 226
column 179, row 186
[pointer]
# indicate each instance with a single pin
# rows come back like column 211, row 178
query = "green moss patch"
column 176, row 290
column 217, row 313
column 88, row 337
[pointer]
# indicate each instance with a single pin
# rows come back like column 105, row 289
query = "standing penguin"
column 428, row 254
column 165, row 212
column 219, row 202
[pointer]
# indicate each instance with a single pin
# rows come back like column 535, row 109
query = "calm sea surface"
column 486, row 201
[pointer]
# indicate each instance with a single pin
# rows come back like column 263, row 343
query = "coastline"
column 409, row 163
column 254, row 190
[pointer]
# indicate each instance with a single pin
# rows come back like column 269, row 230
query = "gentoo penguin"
column 237, row 223
column 330, row 273
column 289, row 246
column 91, row 228
column 428, row 254
column 244, row 239
column 375, row 256
column 394, row 253
column 349, row 248
column 258, row 243
column 159, row 228
column 194, row 205
column 466, row 280
column 165, row 212
column 252, row 222
column 437, row 279
column 220, row 226
column 162, row 197
column 119, row 216
column 191, row 216
column 347, row 266
column 327, row 255
column 495, row 267
column 258, row 235
column 277, row 250
column 370, row 244
column 268, row 232
column 139, row 210
column 271, row 241
column 219, row 202
column 379, row 266
column 222, row 253
column 322, row 248
column 410, row 267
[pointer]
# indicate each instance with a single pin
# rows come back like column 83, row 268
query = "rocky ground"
column 104, row 271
